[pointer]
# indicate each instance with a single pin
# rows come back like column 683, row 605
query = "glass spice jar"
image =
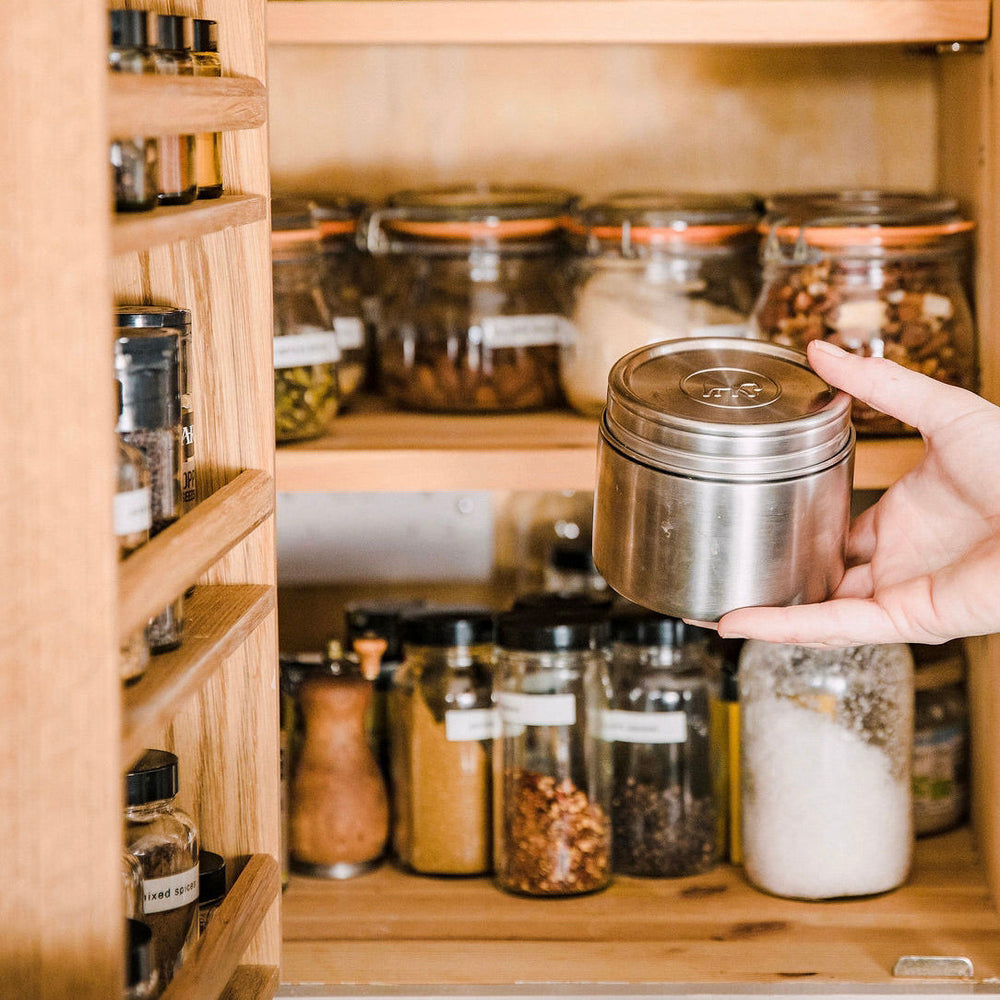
column 551, row 766
column 940, row 739
column 134, row 162
column 177, row 180
column 441, row 729
column 652, row 266
column 879, row 277
column 165, row 840
column 141, row 977
column 211, row 886
column 306, row 352
column 663, row 813
column 207, row 145
column 472, row 297
column 826, row 742
column 570, row 568
column 336, row 218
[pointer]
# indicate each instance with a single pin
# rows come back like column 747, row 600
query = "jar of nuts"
column 878, row 275
column 306, row 352
column 551, row 764
column 472, row 302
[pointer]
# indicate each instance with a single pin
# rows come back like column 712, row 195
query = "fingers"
column 857, row 582
column 916, row 399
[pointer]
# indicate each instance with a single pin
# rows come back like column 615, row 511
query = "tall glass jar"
column 132, row 520
column 178, row 181
column 442, row 727
column 663, row 805
column 472, row 301
column 880, row 277
column 551, row 765
column 165, row 840
column 653, row 266
column 336, row 218
column 208, row 145
column 827, row 737
column 306, row 353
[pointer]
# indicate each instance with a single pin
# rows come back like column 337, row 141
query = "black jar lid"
column 211, row 876
column 204, row 35
column 151, row 778
column 139, row 955
column 170, row 32
column 573, row 554
column 536, row 630
column 151, row 316
column 559, row 601
column 129, row 29
column 638, row 626
column 444, row 627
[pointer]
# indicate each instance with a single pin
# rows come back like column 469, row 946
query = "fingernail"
column 825, row 347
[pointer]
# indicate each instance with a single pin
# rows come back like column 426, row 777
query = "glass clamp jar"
column 651, row 266
column 826, row 743
column 885, row 280
column 471, row 297
column 336, row 217
column 306, row 352
column 442, row 727
column 663, row 813
column 551, row 765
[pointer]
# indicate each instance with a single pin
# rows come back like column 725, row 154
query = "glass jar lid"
column 634, row 220
column 152, row 778
column 480, row 215
column 719, row 407
column 799, row 205
column 336, row 216
column 151, row 316
column 292, row 226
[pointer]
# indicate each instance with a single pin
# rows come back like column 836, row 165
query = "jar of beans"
column 878, row 274
column 472, row 307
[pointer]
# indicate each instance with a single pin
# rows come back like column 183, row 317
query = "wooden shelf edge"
column 211, row 967
column 218, row 620
column 252, row 982
column 131, row 233
column 163, row 105
column 168, row 564
column 759, row 22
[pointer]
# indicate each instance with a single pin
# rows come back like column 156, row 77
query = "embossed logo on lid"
column 730, row 388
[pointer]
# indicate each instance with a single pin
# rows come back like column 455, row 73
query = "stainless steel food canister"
column 724, row 477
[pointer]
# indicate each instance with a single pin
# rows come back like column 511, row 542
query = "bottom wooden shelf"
column 392, row 929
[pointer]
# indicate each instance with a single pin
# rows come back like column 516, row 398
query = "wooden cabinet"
column 68, row 731
column 712, row 94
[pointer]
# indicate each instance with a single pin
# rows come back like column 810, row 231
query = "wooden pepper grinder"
column 339, row 809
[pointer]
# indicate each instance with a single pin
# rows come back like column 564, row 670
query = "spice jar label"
column 350, row 333
column 526, row 331
column 171, row 891
column 536, row 709
column 312, row 347
column 470, row 724
column 644, row 727
column 132, row 511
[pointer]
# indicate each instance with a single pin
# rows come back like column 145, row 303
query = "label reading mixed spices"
column 644, row 727
column 314, row 347
column 470, row 724
column 170, row 891
column 132, row 511
column 526, row 331
column 536, row 709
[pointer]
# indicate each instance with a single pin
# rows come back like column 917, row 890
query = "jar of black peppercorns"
column 880, row 276
column 663, row 806
column 551, row 765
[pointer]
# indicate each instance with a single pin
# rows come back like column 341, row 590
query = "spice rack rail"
column 373, row 449
column 746, row 22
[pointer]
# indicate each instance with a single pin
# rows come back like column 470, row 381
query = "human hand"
column 923, row 562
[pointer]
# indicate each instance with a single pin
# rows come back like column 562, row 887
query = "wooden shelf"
column 252, row 982
column 218, row 618
column 745, row 22
column 154, row 105
column 372, row 450
column 143, row 230
column 216, row 958
column 396, row 929
column 168, row 564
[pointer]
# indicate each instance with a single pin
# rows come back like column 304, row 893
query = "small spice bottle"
column 165, row 840
column 338, row 806
column 141, row 977
column 441, row 729
column 570, row 568
column 147, row 368
column 659, row 725
column 940, row 739
column 826, row 742
column 551, row 765
column 306, row 351
column 211, row 886
column 178, row 184
column 208, row 145
column 131, row 885
column 134, row 163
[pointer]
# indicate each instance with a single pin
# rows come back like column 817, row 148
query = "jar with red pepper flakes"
column 472, row 305
column 879, row 275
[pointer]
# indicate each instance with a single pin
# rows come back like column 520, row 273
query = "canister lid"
column 537, row 630
column 449, row 627
column 153, row 777
column 720, row 407
column 151, row 316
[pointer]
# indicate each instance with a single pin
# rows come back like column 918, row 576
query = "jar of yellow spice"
column 441, row 729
